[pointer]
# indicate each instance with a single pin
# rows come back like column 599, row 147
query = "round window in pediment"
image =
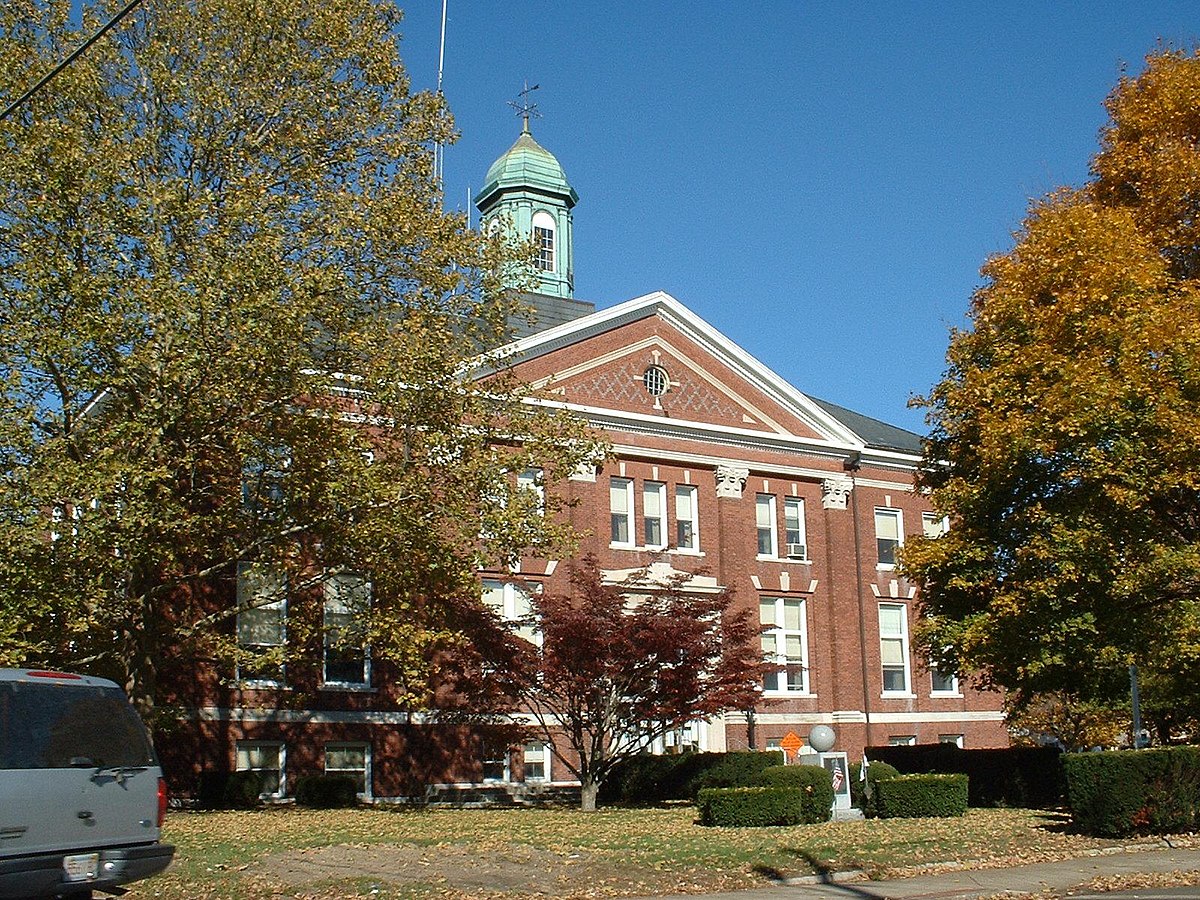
column 656, row 381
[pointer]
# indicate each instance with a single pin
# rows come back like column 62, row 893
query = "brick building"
column 721, row 470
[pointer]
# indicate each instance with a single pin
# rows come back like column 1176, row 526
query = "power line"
column 75, row 54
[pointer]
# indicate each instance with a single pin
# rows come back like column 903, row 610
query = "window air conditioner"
column 796, row 551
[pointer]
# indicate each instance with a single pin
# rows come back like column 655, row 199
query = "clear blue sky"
column 819, row 181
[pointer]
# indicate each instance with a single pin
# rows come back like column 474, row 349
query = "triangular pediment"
column 599, row 363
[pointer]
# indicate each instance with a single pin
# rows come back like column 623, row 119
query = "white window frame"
column 544, row 231
column 532, row 480
column 365, row 793
column 773, row 613
column 933, row 525
column 901, row 639
column 526, row 760
column 654, row 493
column 800, row 531
column 686, row 495
column 486, row 760
column 332, row 589
column 621, row 488
column 280, row 747
column 513, row 603
column 955, row 739
column 245, row 574
column 902, row 740
column 764, row 509
column 887, row 512
column 955, row 690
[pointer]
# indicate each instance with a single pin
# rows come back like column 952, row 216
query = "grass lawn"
column 376, row 853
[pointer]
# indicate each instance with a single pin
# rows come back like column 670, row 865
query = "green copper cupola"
column 527, row 190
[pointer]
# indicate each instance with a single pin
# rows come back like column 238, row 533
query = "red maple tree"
column 622, row 665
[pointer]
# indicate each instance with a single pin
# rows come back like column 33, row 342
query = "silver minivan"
column 82, row 797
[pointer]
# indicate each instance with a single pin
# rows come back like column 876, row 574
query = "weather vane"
column 524, row 108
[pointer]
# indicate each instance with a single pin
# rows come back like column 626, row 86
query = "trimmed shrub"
column 647, row 780
column 326, row 791
column 865, row 800
column 1025, row 777
column 921, row 796
column 813, row 783
column 242, row 790
column 738, row 769
column 744, row 807
column 1122, row 792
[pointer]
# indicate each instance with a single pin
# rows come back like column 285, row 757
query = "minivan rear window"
column 54, row 726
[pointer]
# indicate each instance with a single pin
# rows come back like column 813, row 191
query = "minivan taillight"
column 162, row 802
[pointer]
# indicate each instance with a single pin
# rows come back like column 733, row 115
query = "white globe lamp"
column 821, row 738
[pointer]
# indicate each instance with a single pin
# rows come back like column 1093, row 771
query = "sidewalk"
column 1060, row 876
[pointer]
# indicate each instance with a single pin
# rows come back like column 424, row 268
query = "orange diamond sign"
column 791, row 743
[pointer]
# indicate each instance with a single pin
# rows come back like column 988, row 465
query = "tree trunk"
column 587, row 795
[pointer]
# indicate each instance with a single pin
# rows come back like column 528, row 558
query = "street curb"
column 825, row 878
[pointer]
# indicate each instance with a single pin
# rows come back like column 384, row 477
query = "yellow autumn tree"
column 1065, row 434
column 237, row 334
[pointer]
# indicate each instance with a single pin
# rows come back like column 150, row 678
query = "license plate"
column 81, row 866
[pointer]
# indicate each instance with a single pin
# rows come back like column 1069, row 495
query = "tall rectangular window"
column 347, row 603
column 261, row 624
column 352, row 761
column 887, row 535
column 513, row 605
column 654, row 513
column 543, row 241
column 531, row 480
column 793, row 528
column 764, row 515
column 267, row 759
column 494, row 765
column 785, row 643
column 893, row 647
column 620, row 502
column 687, row 523
column 933, row 525
column 537, row 761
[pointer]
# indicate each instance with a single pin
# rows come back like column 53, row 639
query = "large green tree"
column 236, row 334
column 1065, row 442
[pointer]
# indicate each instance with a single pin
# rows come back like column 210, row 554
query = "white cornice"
column 731, row 436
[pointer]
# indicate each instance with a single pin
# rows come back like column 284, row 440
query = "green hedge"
column 242, row 790
column 326, row 791
column 648, row 780
column 865, row 800
column 744, row 807
column 1027, row 777
column 814, row 784
column 1123, row 792
column 921, row 796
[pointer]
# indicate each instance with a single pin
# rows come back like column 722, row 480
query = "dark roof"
column 874, row 433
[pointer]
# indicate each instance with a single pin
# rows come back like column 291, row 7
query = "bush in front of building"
column 242, row 790
column 814, row 784
column 1020, row 777
column 745, row 807
column 921, row 796
column 862, row 796
column 1121, row 792
column 326, row 791
column 647, row 780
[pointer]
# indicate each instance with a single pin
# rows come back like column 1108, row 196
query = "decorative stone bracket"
column 731, row 480
column 835, row 491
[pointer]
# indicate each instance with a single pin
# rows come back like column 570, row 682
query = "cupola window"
column 543, row 241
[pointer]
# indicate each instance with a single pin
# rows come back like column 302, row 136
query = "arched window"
column 543, row 240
